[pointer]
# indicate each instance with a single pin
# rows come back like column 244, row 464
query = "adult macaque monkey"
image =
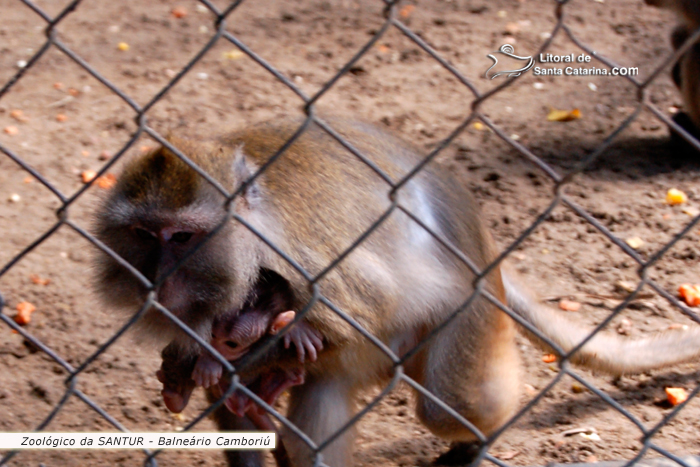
column 399, row 283
column 686, row 72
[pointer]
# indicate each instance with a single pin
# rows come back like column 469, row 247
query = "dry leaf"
column 563, row 115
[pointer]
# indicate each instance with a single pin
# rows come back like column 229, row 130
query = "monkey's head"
column 160, row 210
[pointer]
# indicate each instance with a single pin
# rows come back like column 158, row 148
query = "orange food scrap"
column 19, row 116
column 61, row 118
column 383, row 48
column 123, row 46
column 28, row 180
column 107, row 181
column 563, row 115
column 690, row 294
column 39, row 280
column 676, row 396
column 73, row 92
column 675, row 196
column 88, row 175
column 569, row 305
column 406, row 11
column 145, row 148
column 58, row 85
column 11, row 130
column 549, row 358
column 179, row 12
column 84, row 153
column 24, row 313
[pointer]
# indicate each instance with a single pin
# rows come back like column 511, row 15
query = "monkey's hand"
column 306, row 339
column 207, row 371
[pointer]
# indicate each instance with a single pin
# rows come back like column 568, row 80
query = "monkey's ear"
column 243, row 169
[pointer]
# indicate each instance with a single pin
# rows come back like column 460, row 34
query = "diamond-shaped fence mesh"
column 389, row 18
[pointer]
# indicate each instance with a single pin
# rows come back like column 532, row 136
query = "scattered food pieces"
column 635, row 242
column 578, row 388
column 569, row 305
column 73, row 92
column 690, row 294
column 691, row 211
column 24, row 313
column 592, row 87
column 202, row 75
column 39, row 280
column 684, row 327
column 478, row 126
column 591, row 436
column 626, row 286
column 179, row 12
column 21, row 63
column 11, row 130
column 58, row 85
column 676, row 396
column 123, row 46
column 28, row 179
column 145, row 148
column 549, row 358
column 61, row 118
column 406, row 11
column 675, row 196
column 14, row 198
column 506, row 456
column 625, row 327
column 233, row 54
column 202, row 9
column 538, row 86
column 84, row 153
column 563, row 115
column 579, row 430
column 88, row 175
column 203, row 29
column 107, row 181
column 19, row 116
column 512, row 28
column 502, row 13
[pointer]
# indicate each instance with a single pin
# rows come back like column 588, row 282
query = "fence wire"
column 391, row 20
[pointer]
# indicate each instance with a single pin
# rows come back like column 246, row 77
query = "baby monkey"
column 266, row 312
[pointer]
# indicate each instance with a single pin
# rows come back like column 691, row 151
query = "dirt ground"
column 396, row 85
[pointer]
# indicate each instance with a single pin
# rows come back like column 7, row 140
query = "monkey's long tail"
column 609, row 353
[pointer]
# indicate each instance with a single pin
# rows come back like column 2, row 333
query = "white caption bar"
column 221, row 440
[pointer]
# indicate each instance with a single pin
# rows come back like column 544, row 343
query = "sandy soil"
column 395, row 85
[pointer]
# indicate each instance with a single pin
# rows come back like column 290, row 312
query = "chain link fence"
column 559, row 197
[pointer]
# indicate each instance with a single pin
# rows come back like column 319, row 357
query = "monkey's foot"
column 175, row 396
column 267, row 387
column 685, row 122
column 459, row 454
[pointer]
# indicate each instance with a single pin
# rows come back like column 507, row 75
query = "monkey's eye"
column 181, row 237
column 144, row 234
column 231, row 344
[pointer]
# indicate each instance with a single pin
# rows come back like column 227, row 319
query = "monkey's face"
column 160, row 220
column 169, row 249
